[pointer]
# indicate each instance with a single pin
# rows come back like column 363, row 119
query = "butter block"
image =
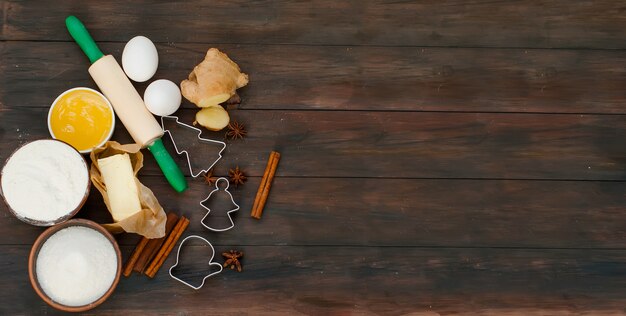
column 117, row 173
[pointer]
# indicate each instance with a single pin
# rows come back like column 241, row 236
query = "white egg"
column 140, row 59
column 162, row 97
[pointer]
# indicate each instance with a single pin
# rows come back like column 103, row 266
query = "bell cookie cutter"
column 200, row 139
column 211, row 263
column 217, row 188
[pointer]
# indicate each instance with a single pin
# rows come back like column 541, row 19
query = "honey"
column 82, row 118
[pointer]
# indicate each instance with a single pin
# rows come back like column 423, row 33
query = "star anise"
column 236, row 130
column 209, row 178
column 236, row 176
column 232, row 259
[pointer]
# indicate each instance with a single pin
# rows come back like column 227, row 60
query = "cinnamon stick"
column 167, row 247
column 262, row 184
column 266, row 184
column 153, row 245
column 144, row 245
column 128, row 268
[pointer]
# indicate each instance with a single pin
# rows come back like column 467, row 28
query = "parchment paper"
column 150, row 221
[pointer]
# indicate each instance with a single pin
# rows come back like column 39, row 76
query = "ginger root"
column 214, row 80
column 214, row 118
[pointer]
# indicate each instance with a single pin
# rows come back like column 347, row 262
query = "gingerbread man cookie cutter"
column 217, row 188
column 211, row 263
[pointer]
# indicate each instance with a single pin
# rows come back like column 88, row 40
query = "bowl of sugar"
column 75, row 266
column 45, row 182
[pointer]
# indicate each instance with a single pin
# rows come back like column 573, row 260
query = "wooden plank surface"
column 551, row 24
column 355, row 78
column 370, row 281
column 407, row 212
column 402, row 144
column 439, row 157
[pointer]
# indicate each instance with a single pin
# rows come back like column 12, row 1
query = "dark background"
column 437, row 156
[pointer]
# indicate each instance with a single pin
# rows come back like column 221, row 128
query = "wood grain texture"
column 393, row 212
column 354, row 78
column 400, row 145
column 438, row 157
column 381, row 281
column 547, row 23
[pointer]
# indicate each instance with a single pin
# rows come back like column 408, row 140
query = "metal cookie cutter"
column 211, row 263
column 183, row 146
column 236, row 207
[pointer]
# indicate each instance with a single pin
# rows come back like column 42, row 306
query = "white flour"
column 44, row 180
column 76, row 266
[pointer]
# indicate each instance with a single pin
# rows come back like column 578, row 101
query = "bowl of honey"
column 81, row 117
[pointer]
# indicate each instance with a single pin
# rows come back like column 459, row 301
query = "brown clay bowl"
column 61, row 219
column 34, row 252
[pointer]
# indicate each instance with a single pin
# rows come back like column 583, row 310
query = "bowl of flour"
column 45, row 182
column 75, row 266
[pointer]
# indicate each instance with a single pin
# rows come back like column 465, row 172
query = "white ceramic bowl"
column 106, row 139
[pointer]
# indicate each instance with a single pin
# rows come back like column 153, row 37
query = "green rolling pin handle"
column 170, row 169
column 83, row 39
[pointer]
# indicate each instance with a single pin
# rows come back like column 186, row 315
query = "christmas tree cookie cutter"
column 211, row 263
column 234, row 209
column 183, row 145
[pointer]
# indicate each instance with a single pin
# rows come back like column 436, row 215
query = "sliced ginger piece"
column 214, row 100
column 214, row 80
column 214, row 118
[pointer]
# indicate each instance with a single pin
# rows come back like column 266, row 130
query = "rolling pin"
column 127, row 103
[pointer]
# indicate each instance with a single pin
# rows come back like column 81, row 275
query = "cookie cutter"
column 211, row 263
column 200, row 139
column 217, row 188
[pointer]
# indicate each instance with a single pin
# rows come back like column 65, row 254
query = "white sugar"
column 44, row 180
column 76, row 266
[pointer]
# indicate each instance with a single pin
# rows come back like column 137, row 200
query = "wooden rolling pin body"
column 126, row 101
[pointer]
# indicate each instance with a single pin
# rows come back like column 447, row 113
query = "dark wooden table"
column 437, row 156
